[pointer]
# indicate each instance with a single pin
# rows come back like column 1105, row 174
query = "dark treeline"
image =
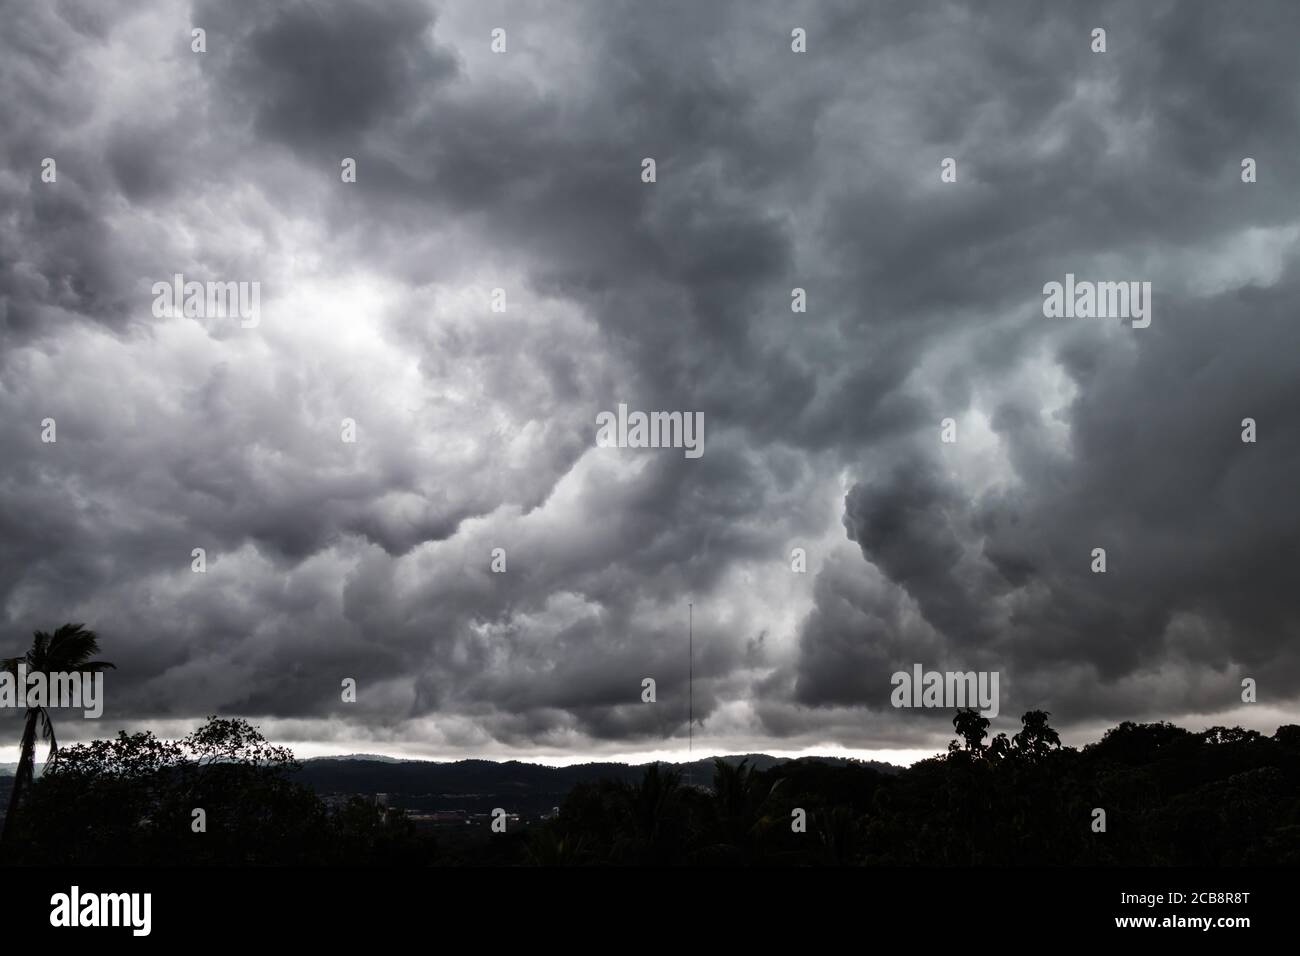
column 1224, row 796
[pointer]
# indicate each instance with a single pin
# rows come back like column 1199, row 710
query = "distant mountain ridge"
column 599, row 768
column 757, row 761
column 761, row 761
column 475, row 784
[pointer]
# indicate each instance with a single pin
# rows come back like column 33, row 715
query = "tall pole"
column 690, row 717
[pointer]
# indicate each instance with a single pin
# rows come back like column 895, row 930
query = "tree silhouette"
column 1036, row 739
column 67, row 650
column 545, row 847
column 740, row 801
column 131, row 800
column 1000, row 748
column 653, row 808
column 1220, row 797
column 971, row 727
column 840, row 835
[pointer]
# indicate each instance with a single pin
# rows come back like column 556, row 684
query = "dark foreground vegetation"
column 1170, row 797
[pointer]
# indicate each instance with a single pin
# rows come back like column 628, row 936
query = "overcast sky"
column 476, row 429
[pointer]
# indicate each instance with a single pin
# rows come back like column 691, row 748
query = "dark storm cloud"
column 775, row 170
column 1151, row 182
column 318, row 75
column 1195, row 523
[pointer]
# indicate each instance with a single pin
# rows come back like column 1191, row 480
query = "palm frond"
column 70, row 647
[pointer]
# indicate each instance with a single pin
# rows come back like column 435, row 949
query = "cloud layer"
column 476, row 428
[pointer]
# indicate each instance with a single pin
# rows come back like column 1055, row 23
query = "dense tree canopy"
column 1224, row 796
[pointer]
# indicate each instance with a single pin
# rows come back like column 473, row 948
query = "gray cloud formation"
column 476, row 428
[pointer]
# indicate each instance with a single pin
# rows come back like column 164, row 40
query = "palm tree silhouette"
column 652, row 807
column 67, row 650
column 740, row 806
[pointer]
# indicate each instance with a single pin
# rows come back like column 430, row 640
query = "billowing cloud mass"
column 475, row 428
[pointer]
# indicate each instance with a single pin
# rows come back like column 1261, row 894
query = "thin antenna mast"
column 690, row 719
